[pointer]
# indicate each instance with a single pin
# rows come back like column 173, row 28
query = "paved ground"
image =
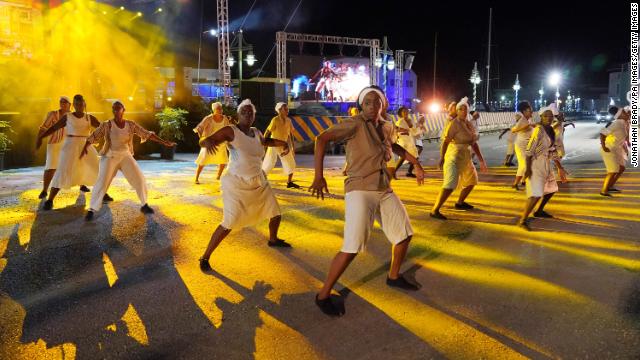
column 128, row 285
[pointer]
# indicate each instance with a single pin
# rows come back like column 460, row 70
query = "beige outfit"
column 368, row 196
column 207, row 127
column 458, row 166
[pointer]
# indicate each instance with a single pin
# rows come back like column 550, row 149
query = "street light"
column 541, row 92
column 516, row 87
column 378, row 62
column 391, row 64
column 475, row 80
column 251, row 59
column 231, row 60
column 554, row 80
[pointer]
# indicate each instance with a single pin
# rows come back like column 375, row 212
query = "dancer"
column 541, row 183
column 455, row 160
column 247, row 197
column 508, row 160
column 54, row 145
column 72, row 170
column 614, row 151
column 209, row 125
column 280, row 129
column 368, row 195
column 558, row 127
column 117, row 154
column 407, row 132
column 421, row 130
column 523, row 129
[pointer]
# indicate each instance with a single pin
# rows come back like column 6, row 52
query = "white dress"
column 247, row 196
column 408, row 141
column 615, row 141
column 522, row 139
column 73, row 171
column 207, row 127
column 542, row 151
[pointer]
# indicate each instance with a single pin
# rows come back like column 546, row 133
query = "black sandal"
column 279, row 243
column 204, row 265
column 328, row 307
column 402, row 283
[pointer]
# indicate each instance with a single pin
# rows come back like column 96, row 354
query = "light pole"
column 240, row 45
column 212, row 32
column 541, row 92
column 554, row 80
column 516, row 87
column 385, row 61
column 475, row 80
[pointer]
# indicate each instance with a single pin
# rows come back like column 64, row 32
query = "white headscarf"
column 216, row 105
column 65, row 98
column 367, row 90
column 246, row 102
column 463, row 102
column 554, row 108
column 279, row 106
column 544, row 109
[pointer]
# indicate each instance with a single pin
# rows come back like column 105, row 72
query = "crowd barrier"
column 306, row 128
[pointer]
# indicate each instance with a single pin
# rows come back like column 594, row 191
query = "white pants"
column 362, row 208
column 53, row 156
column 521, row 148
column 510, row 147
column 109, row 166
column 273, row 153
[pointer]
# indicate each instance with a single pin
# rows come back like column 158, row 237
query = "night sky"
column 583, row 40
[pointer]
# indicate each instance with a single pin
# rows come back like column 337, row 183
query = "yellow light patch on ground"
column 539, row 238
column 12, row 316
column 112, row 276
column 502, row 278
column 136, row 328
column 450, row 337
column 276, row 340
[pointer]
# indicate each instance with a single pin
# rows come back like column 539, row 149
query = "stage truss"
column 283, row 37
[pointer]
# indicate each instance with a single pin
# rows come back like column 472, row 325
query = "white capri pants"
column 53, row 156
column 362, row 208
column 542, row 181
column 273, row 153
column 458, row 167
column 109, row 166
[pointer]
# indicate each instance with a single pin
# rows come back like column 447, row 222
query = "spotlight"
column 130, row 98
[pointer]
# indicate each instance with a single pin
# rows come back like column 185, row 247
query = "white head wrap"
column 544, row 109
column 246, row 102
column 118, row 102
column 463, row 102
column 65, row 98
column 554, row 109
column 279, row 106
column 215, row 105
column 367, row 90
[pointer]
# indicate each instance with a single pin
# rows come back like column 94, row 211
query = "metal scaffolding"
column 283, row 37
column 223, row 47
